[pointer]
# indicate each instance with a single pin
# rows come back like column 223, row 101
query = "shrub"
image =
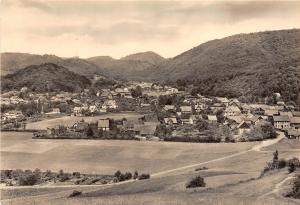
column 281, row 163
column 75, row 193
column 201, row 168
column 144, row 176
column 28, row 180
column 198, row 181
column 292, row 167
column 64, row 178
column 295, row 193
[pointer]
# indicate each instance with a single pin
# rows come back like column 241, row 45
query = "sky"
column 119, row 28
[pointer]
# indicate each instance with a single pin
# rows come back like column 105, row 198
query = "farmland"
column 230, row 181
column 231, row 176
column 18, row 150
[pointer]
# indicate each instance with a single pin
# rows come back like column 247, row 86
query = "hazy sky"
column 96, row 28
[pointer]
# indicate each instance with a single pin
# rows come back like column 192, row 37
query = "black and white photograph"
column 150, row 102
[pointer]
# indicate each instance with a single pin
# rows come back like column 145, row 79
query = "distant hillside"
column 150, row 57
column 245, row 64
column 45, row 77
column 12, row 62
column 129, row 67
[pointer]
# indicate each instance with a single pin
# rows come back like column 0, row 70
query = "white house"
column 282, row 122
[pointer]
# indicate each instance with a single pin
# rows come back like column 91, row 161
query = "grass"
column 230, row 181
column 19, row 151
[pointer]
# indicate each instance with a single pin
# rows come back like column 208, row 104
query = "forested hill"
column 44, row 78
column 245, row 65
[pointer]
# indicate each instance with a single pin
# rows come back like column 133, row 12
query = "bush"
column 292, row 167
column 75, row 193
column 198, row 181
column 201, row 168
column 281, row 163
column 63, row 178
column 144, row 176
column 28, row 180
column 295, row 193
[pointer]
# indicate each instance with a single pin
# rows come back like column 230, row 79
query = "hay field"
column 19, row 151
column 229, row 181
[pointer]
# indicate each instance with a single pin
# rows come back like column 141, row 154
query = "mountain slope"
column 129, row 67
column 148, row 56
column 45, row 77
column 12, row 62
column 244, row 64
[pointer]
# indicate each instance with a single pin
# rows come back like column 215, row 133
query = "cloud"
column 41, row 5
column 167, row 27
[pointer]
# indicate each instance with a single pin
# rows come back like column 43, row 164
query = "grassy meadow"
column 230, row 180
column 19, row 151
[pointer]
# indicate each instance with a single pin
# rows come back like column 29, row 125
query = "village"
column 167, row 114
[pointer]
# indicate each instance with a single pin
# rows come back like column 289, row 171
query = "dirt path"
column 256, row 148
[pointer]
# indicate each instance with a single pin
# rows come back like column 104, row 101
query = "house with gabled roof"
column 223, row 100
column 243, row 127
column 169, row 108
column 212, row 118
column 145, row 130
column 186, row 109
column 281, row 122
column 271, row 112
column 290, row 114
column 170, row 120
column 200, row 106
column 77, row 111
column 296, row 113
column 103, row 124
column 232, row 111
column 295, row 122
column 293, row 134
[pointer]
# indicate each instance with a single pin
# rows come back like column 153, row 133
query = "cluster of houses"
column 140, row 128
column 238, row 116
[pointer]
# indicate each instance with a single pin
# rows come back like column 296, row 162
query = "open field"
column 70, row 120
column 18, row 150
column 230, row 179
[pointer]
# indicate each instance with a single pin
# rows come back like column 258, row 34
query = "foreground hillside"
column 230, row 179
column 249, row 65
column 44, row 78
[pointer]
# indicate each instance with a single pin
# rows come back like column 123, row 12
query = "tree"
column 162, row 131
column 137, row 92
column 268, row 131
column 89, row 131
column 135, row 175
column 201, row 125
column 118, row 174
column 275, row 159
